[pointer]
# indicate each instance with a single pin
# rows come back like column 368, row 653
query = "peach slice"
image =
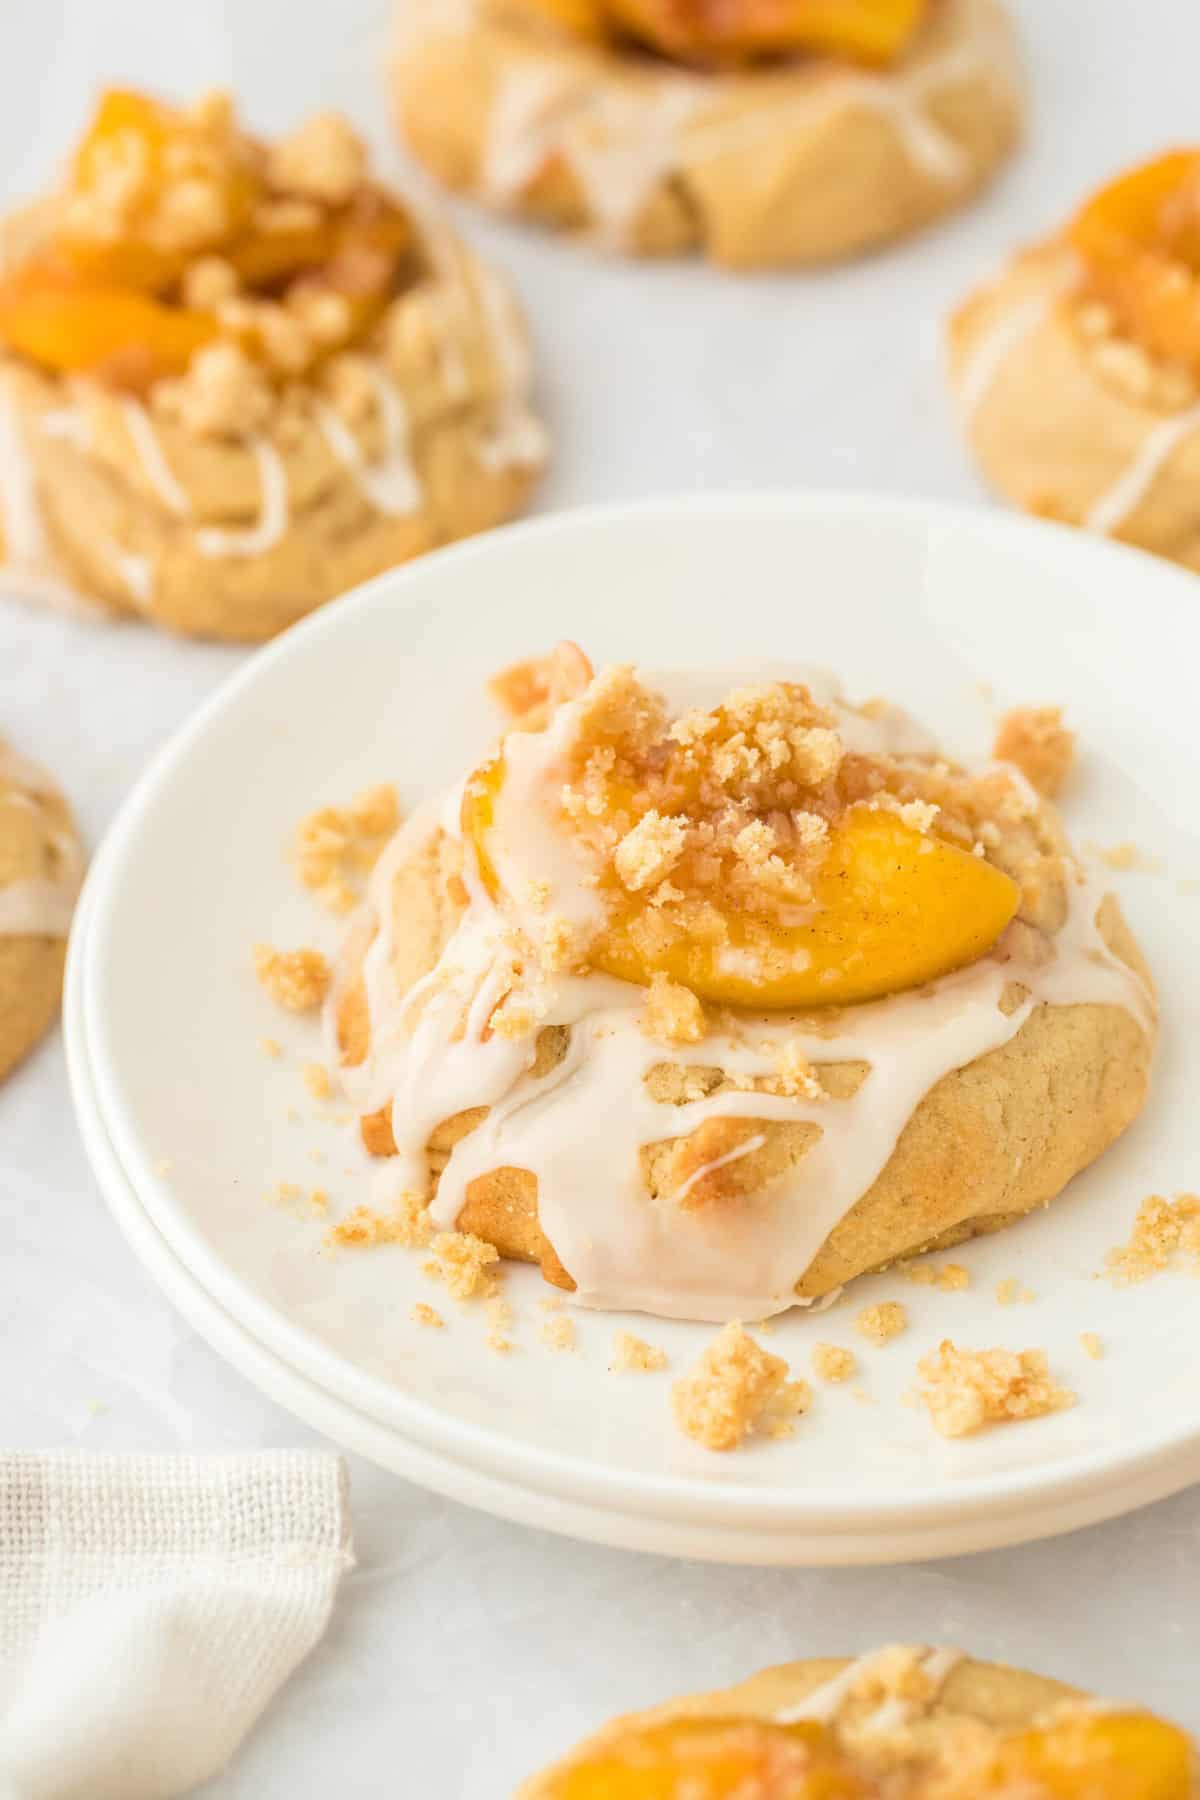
column 863, row 31
column 715, row 1759
column 122, row 336
column 1101, row 1756
column 892, row 909
column 1140, row 240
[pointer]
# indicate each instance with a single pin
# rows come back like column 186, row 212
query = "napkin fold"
column 150, row 1607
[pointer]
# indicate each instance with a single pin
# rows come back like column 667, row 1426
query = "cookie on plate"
column 239, row 377
column 710, row 997
column 40, row 869
column 759, row 134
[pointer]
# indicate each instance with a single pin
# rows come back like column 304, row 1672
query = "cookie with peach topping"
column 1077, row 368
column 238, row 377
column 757, row 132
column 901, row 1723
column 709, row 995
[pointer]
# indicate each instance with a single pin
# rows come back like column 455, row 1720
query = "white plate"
column 923, row 602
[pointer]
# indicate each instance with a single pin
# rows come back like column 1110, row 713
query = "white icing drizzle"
column 137, row 572
column 619, row 144
column 825, row 1702
column 272, row 516
column 37, row 905
column 1126, row 494
column 580, row 1129
column 391, row 483
column 987, row 359
column 68, row 424
column 25, row 541
column 155, row 466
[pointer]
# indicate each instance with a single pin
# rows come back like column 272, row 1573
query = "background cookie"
column 40, row 868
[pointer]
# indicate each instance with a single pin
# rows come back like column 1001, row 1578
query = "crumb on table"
column 1092, row 1345
column 1124, row 856
column 1161, row 1231
column 884, row 1322
column 317, row 1080
column 500, row 1318
column 635, row 1356
column 1040, row 745
column 427, row 1315
column 336, row 846
column 296, row 979
column 270, row 1047
column 950, row 1277
column 1010, row 1292
column 558, row 1332
column 735, row 1389
column 966, row 1390
column 832, row 1363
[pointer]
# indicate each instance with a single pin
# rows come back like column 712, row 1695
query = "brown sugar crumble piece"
column 950, row 1278
column 1162, row 1230
column 831, row 1363
column 427, row 1315
column 500, row 1318
column 408, row 1225
column 1010, row 1292
column 464, row 1263
column 1123, row 857
column 271, row 1047
column 558, row 1332
column 1041, row 746
column 633, row 1355
column 296, row 979
column 735, row 1389
column 967, row 1389
column 884, row 1322
column 1092, row 1345
column 672, row 1014
column 317, row 1080
column 336, row 847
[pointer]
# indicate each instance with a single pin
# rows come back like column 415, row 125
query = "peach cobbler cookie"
column 237, row 378
column 760, row 132
column 1077, row 369
column 709, row 995
column 40, row 869
column 901, row 1723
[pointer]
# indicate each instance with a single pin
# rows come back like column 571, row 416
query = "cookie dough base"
column 989, row 1693
column 987, row 1144
column 31, row 978
column 807, row 163
column 1058, row 436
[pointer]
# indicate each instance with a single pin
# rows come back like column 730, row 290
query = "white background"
column 465, row 1651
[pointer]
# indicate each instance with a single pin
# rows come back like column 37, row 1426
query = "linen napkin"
column 150, row 1607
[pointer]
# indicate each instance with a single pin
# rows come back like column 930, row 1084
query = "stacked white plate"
column 193, row 1131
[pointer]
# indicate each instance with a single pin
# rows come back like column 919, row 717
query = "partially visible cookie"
column 40, row 868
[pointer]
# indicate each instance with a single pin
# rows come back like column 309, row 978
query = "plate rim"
column 992, row 1492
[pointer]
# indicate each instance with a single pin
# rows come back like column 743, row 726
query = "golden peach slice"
column 892, row 909
column 864, row 31
column 124, row 337
column 1102, row 1756
column 714, row 1759
column 1140, row 240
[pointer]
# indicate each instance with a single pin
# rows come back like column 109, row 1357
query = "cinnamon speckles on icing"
column 582, row 1126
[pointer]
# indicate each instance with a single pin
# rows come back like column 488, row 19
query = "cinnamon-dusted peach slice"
column 892, row 908
column 1140, row 239
column 715, row 1759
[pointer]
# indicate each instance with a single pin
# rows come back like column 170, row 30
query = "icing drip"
column 272, row 515
column 581, row 1128
column 989, row 356
column 825, row 1702
column 620, row 145
column 390, row 484
column 36, row 907
column 1113, row 508
column 67, row 424
column 155, row 466
column 30, row 568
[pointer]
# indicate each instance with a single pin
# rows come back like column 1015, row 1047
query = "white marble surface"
column 466, row 1651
